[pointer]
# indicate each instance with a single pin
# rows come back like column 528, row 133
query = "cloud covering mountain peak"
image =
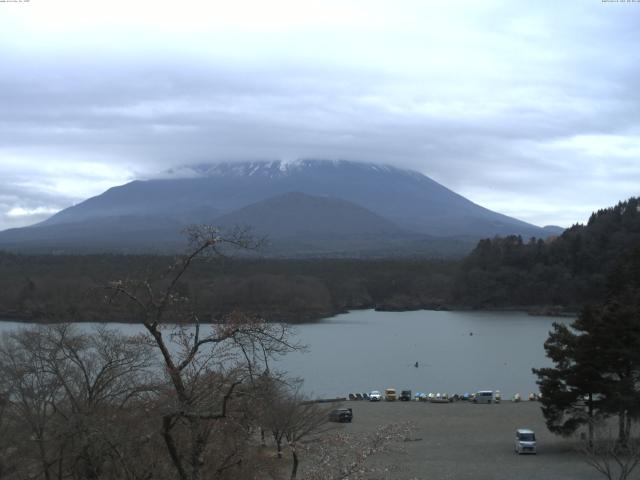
column 272, row 168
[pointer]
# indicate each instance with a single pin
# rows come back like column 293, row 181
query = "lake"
column 456, row 352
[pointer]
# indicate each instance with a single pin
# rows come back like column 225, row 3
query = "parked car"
column 375, row 396
column 525, row 441
column 440, row 398
column 405, row 395
column 390, row 394
column 483, row 396
column 341, row 415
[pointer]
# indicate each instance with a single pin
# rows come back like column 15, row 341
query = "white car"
column 525, row 441
column 375, row 396
column 483, row 396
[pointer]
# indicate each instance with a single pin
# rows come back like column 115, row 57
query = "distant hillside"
column 574, row 269
column 123, row 233
column 360, row 208
column 297, row 214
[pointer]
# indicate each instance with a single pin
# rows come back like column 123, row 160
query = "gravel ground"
column 468, row 441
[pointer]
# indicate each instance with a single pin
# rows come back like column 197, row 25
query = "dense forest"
column 568, row 271
column 554, row 275
column 72, row 287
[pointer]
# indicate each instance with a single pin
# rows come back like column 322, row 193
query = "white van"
column 525, row 441
column 483, row 396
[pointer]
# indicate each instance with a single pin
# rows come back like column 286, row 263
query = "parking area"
column 469, row 441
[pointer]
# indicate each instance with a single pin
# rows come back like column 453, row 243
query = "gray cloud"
column 504, row 105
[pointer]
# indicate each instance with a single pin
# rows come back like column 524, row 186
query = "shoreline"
column 534, row 311
column 529, row 310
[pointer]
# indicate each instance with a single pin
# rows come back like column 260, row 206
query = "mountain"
column 297, row 214
column 300, row 225
column 367, row 204
column 118, row 233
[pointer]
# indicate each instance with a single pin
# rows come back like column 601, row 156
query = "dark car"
column 341, row 415
column 405, row 395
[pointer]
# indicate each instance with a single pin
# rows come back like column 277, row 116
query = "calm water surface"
column 456, row 351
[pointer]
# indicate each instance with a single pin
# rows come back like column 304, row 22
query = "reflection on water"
column 456, row 352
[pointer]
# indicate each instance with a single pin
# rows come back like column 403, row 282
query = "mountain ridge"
column 207, row 193
column 296, row 213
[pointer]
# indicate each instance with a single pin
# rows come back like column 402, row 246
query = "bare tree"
column 306, row 419
column 273, row 409
column 613, row 459
column 31, row 394
column 290, row 417
column 4, row 448
column 64, row 388
column 205, row 365
column 101, row 374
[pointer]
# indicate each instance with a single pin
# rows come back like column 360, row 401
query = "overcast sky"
column 528, row 108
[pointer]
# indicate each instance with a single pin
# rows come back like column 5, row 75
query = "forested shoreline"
column 550, row 276
column 71, row 288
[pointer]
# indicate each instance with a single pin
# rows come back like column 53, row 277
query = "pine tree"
column 572, row 390
column 597, row 368
column 619, row 328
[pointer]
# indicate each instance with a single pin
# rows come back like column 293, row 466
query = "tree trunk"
column 198, row 445
column 622, row 430
column 60, row 462
column 627, row 432
column 277, row 437
column 294, row 467
column 171, row 447
column 43, row 459
column 590, row 420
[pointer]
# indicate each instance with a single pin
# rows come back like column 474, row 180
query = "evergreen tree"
column 570, row 270
column 597, row 368
column 619, row 329
column 572, row 390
